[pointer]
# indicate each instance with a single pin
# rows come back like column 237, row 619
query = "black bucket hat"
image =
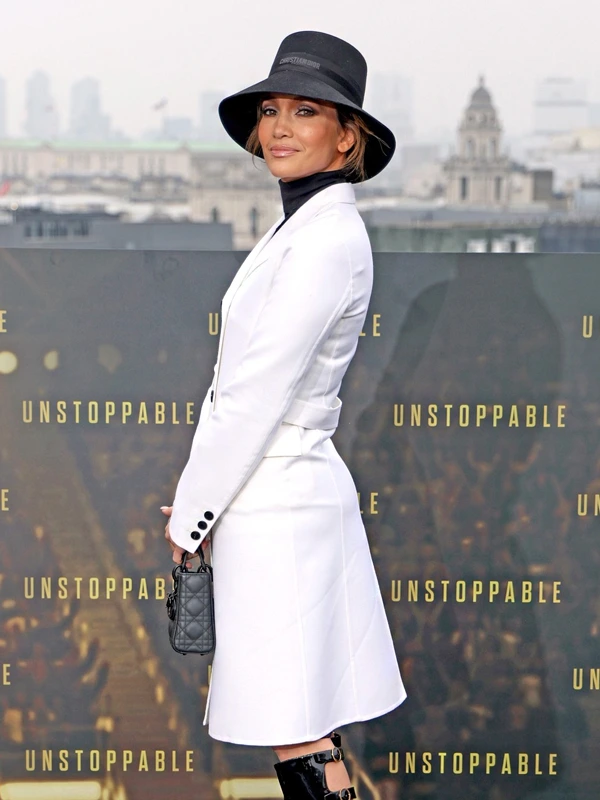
column 317, row 66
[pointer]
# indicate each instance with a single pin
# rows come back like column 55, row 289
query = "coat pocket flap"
column 287, row 441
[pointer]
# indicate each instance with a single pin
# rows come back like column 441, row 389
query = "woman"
column 303, row 643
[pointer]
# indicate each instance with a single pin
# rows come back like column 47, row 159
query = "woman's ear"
column 348, row 138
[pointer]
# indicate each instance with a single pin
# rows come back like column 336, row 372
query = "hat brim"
column 238, row 114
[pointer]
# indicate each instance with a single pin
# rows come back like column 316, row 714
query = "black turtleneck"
column 295, row 193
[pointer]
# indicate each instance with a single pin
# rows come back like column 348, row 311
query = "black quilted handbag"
column 190, row 606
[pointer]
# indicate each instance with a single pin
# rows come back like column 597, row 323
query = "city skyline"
column 140, row 55
column 85, row 120
column 85, row 108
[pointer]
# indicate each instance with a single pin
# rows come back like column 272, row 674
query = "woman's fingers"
column 177, row 550
column 178, row 555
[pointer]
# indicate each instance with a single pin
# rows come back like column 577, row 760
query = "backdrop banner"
column 470, row 423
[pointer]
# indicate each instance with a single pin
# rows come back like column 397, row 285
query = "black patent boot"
column 303, row 777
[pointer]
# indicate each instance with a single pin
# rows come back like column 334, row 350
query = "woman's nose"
column 282, row 125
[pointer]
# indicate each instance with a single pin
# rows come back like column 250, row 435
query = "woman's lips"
column 280, row 152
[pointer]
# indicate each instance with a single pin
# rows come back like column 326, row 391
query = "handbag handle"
column 202, row 565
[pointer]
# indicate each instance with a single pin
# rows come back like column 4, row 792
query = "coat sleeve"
column 310, row 290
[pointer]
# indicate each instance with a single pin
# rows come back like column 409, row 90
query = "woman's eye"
column 265, row 111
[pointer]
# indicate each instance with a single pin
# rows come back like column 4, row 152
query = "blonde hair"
column 348, row 118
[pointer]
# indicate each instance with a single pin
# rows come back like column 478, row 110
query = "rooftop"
column 130, row 145
column 481, row 98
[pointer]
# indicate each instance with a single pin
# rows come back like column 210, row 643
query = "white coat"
column 303, row 644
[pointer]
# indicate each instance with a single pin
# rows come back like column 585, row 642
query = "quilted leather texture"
column 191, row 612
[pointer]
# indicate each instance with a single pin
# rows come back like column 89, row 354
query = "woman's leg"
column 336, row 774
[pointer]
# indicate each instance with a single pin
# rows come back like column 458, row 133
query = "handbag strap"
column 200, row 552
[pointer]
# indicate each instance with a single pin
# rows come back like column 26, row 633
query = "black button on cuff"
column 203, row 525
column 195, row 535
column 209, row 515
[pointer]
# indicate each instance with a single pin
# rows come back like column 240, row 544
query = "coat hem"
column 310, row 737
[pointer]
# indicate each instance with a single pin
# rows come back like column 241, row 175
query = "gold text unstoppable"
column 93, row 588
column 473, row 763
column 109, row 760
column 105, row 412
column 433, row 415
column 414, row 590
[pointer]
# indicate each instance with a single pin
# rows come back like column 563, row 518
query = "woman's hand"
column 178, row 551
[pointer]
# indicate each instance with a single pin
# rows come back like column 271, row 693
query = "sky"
column 144, row 50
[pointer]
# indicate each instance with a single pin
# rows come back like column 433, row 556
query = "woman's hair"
column 348, row 118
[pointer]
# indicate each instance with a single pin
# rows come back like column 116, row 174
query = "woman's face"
column 300, row 137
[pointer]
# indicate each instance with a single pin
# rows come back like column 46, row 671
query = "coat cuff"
column 189, row 527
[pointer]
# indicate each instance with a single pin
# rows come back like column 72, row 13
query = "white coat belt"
column 301, row 414
column 311, row 415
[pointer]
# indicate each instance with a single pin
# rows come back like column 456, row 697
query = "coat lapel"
column 246, row 265
column 270, row 244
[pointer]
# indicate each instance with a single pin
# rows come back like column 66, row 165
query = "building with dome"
column 483, row 175
column 479, row 174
